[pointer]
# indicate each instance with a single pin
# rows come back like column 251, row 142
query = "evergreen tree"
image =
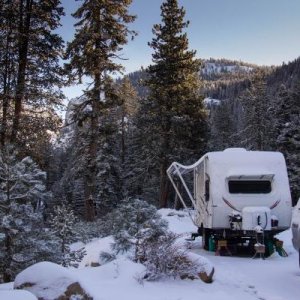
column 175, row 127
column 134, row 224
column 222, row 127
column 108, row 164
column 101, row 31
column 62, row 223
column 126, row 112
column 30, row 74
column 142, row 172
column 256, row 124
column 288, row 134
column 22, row 197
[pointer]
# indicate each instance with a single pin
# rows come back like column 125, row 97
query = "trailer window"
column 249, row 186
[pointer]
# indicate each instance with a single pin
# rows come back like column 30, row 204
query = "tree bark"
column 164, row 186
column 24, row 30
column 90, row 178
column 123, row 135
column 177, row 203
column 6, row 87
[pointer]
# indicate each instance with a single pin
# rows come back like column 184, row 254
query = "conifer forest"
column 69, row 168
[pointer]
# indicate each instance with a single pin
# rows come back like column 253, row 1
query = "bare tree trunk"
column 6, row 88
column 164, row 186
column 123, row 135
column 5, row 105
column 177, row 203
column 164, row 180
column 24, row 30
column 90, row 178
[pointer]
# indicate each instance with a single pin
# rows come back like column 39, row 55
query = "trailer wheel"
column 205, row 238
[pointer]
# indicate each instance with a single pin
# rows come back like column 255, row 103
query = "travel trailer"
column 237, row 195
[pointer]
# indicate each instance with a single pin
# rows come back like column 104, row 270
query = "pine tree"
column 288, row 134
column 108, row 164
column 141, row 178
column 256, row 104
column 22, row 197
column 101, row 31
column 134, row 224
column 222, row 127
column 62, row 223
column 126, row 112
column 178, row 126
column 30, row 74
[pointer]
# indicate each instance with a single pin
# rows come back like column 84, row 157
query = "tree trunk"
column 6, row 87
column 90, row 178
column 177, row 203
column 24, row 30
column 8, row 257
column 123, row 135
column 5, row 105
column 164, row 185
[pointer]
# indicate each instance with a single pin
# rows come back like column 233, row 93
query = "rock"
column 49, row 281
column 75, row 289
column 207, row 278
column 95, row 264
column 202, row 275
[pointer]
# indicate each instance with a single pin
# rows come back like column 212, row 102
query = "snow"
column 94, row 249
column 49, row 279
column 16, row 295
column 179, row 221
column 210, row 101
column 216, row 68
column 275, row 278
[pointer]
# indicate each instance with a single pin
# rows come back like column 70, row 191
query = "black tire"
column 299, row 257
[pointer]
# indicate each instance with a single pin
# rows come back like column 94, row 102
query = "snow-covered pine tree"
column 138, row 228
column 256, row 124
column 288, row 134
column 127, row 110
column 62, row 223
column 166, row 258
column 101, row 32
column 22, row 196
column 178, row 129
column 142, row 171
column 30, row 73
column 108, row 164
column 222, row 126
column 134, row 224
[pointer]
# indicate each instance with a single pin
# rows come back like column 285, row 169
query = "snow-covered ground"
column 275, row 278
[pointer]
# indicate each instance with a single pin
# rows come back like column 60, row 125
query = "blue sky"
column 265, row 32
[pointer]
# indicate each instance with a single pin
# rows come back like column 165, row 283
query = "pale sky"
column 264, row 32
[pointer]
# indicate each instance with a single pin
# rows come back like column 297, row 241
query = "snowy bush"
column 138, row 228
column 134, row 224
column 62, row 224
column 166, row 258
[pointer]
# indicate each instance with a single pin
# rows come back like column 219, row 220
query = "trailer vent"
column 249, row 186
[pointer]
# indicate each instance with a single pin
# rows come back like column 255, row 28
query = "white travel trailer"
column 237, row 194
